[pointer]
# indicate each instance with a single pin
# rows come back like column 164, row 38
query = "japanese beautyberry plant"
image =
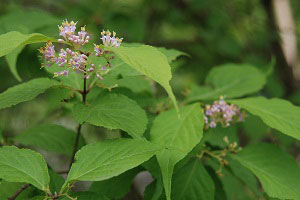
column 191, row 151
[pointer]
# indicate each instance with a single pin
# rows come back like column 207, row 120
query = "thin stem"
column 19, row 191
column 84, row 94
column 84, row 89
column 75, row 146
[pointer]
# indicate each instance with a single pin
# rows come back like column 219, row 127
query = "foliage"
column 207, row 121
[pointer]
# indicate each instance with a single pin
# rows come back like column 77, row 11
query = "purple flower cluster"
column 107, row 40
column 48, row 53
column 72, row 59
column 110, row 41
column 223, row 113
column 67, row 31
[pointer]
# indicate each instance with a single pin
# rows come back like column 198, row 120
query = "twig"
column 19, row 191
column 84, row 94
column 75, row 146
column 84, row 89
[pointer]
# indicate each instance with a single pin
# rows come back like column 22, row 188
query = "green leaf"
column 8, row 189
column 137, row 88
column 233, row 187
column 135, row 83
column 56, row 97
column 29, row 18
column 231, row 81
column 167, row 160
column 245, row 175
column 228, row 186
column 219, row 189
column 119, row 67
column 1, row 136
column 11, row 60
column 215, row 136
column 152, row 167
column 255, row 128
column 25, row 91
column 171, row 54
column 178, row 136
column 150, row 62
column 104, row 160
column 12, row 57
column 116, row 187
column 277, row 171
column 11, row 40
column 73, row 80
column 192, row 182
column 23, row 165
column 56, row 181
column 276, row 113
column 196, row 92
column 114, row 111
column 50, row 137
column 143, row 99
column 154, row 191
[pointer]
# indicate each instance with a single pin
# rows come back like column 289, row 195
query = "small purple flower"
column 98, row 50
column 212, row 124
column 208, row 112
column 103, row 68
column 215, row 108
column 205, row 119
column 90, row 69
column 62, row 73
column 78, row 61
column 221, row 101
column 48, row 52
column 66, row 73
column 62, row 58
